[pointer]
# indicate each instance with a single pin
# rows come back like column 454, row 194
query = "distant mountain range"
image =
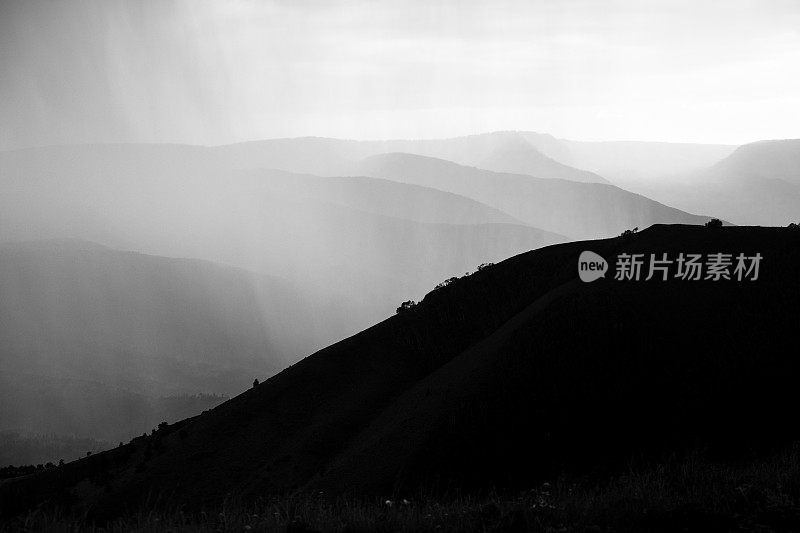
column 689, row 177
column 501, row 378
column 574, row 209
column 91, row 336
column 293, row 244
column 371, row 242
column 623, row 163
column 368, row 243
column 765, row 160
column 499, row 151
column 756, row 184
column 631, row 163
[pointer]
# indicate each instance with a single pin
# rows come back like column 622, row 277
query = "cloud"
column 217, row 72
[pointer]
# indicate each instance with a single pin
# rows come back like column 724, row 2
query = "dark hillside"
column 102, row 343
column 501, row 379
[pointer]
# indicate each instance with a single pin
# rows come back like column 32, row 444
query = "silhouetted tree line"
column 410, row 304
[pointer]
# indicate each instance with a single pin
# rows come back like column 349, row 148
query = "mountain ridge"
column 578, row 210
column 137, row 326
column 497, row 379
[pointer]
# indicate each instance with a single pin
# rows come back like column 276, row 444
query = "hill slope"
column 497, row 151
column 374, row 242
column 90, row 337
column 631, row 163
column 380, row 197
column 502, row 151
column 759, row 183
column 778, row 160
column 512, row 374
column 578, row 210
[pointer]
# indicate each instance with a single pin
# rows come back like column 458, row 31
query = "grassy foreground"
column 688, row 495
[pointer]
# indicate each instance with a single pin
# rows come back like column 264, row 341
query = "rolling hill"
column 578, row 210
column 759, row 183
column 624, row 163
column 380, row 197
column 502, row 151
column 92, row 339
column 374, row 243
column 766, row 160
column 500, row 379
column 498, row 151
column 631, row 164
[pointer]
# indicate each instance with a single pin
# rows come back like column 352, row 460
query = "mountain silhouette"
column 497, row 380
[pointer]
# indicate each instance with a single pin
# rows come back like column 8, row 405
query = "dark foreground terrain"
column 689, row 495
column 517, row 397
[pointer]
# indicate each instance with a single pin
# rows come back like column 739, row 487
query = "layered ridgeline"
column 106, row 344
column 499, row 151
column 578, row 210
column 346, row 249
column 764, row 160
column 500, row 379
column 632, row 165
column 757, row 183
column 374, row 242
column 101, row 343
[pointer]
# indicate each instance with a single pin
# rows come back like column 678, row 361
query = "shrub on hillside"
column 405, row 306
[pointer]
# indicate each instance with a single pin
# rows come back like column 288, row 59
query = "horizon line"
column 386, row 139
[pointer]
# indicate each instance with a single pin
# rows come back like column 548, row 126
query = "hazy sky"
column 225, row 71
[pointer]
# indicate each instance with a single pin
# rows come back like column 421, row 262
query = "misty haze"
column 285, row 266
